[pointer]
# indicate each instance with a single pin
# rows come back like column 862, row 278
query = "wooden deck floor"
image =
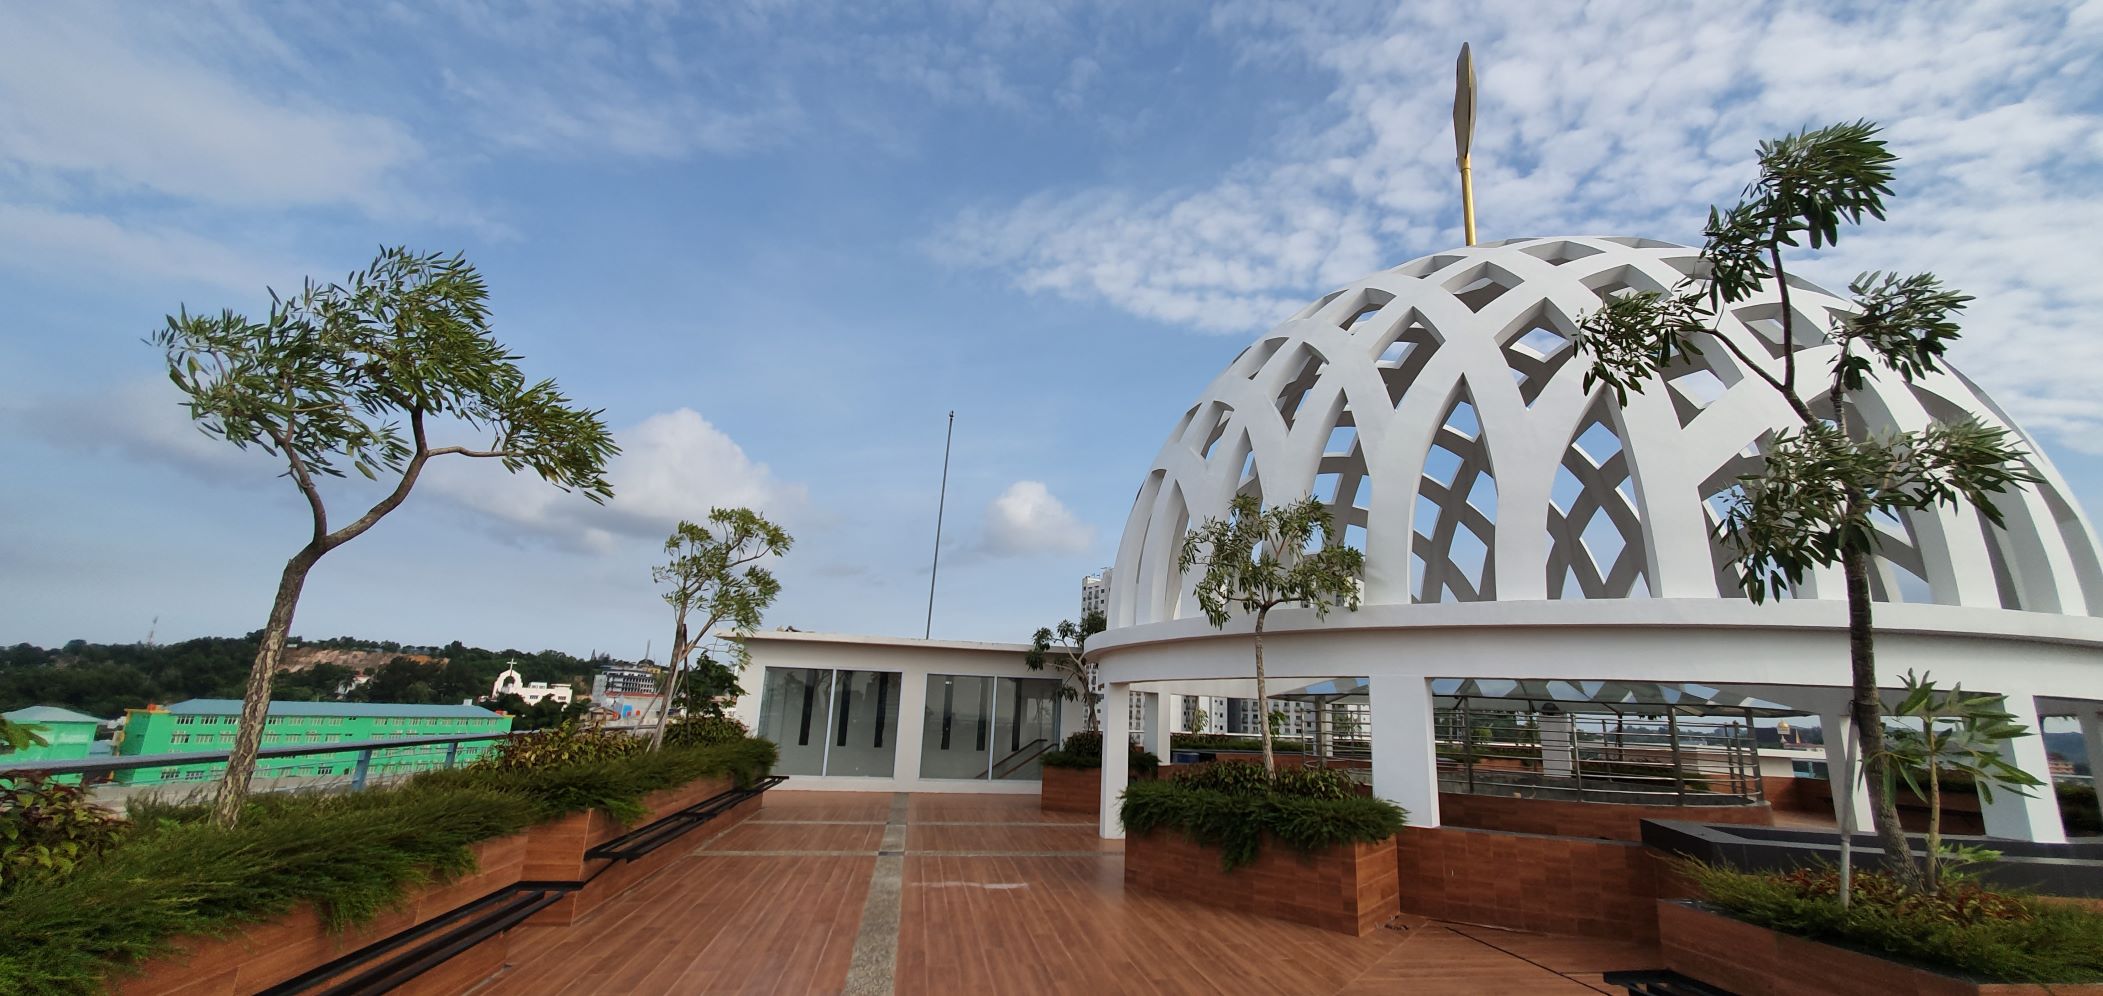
column 994, row 897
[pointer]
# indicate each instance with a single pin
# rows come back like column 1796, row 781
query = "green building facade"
column 209, row 724
column 68, row 735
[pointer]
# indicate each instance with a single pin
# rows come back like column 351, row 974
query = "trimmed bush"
column 569, row 743
column 1965, row 927
column 1231, row 805
column 352, row 855
column 1084, row 750
column 706, row 731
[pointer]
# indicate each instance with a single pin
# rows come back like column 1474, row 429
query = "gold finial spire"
column 1464, row 136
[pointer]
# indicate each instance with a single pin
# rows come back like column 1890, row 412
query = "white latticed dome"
column 1439, row 409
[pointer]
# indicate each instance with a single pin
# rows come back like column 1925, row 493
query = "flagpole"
column 941, row 505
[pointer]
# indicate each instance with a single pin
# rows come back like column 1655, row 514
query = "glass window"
column 864, row 733
column 1027, row 714
column 793, row 706
column 956, row 729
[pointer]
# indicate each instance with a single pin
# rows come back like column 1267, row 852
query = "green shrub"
column 1084, row 750
column 569, row 743
column 706, row 731
column 1964, row 927
column 1314, row 783
column 47, row 828
column 1235, row 821
column 352, row 855
column 1221, row 741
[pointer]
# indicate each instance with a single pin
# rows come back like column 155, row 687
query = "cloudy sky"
column 779, row 241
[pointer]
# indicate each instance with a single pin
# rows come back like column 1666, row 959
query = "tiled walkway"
column 989, row 896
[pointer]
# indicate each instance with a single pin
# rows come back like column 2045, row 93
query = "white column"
column 912, row 723
column 2092, row 738
column 1155, row 707
column 1558, row 744
column 1405, row 766
column 1117, row 761
column 2035, row 817
column 1839, row 732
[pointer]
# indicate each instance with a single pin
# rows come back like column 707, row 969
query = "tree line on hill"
column 104, row 679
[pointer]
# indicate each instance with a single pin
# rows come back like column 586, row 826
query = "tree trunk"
column 671, row 681
column 1868, row 712
column 1933, row 876
column 1270, row 762
column 255, row 700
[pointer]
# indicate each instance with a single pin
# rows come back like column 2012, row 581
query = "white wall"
column 913, row 661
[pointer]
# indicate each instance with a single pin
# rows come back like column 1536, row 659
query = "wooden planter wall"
column 1754, row 961
column 270, row 953
column 1350, row 888
column 1071, row 790
column 555, row 852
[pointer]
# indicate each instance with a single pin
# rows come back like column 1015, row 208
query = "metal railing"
column 1659, row 758
column 362, row 749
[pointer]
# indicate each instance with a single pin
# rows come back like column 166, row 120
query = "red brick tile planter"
column 1350, row 888
column 1071, row 790
column 266, row 954
column 1556, row 885
column 1754, row 961
column 555, row 852
column 1603, row 820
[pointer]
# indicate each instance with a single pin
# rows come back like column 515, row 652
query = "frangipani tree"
column 715, row 572
column 1824, row 481
column 1257, row 559
column 1065, row 651
column 356, row 376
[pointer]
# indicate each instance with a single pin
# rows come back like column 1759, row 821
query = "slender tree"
column 1825, row 479
column 1954, row 733
column 1257, row 559
column 714, row 571
column 1065, row 650
column 356, row 376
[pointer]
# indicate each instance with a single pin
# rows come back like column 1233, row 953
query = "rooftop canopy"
column 1618, row 697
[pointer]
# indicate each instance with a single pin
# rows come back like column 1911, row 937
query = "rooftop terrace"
column 881, row 892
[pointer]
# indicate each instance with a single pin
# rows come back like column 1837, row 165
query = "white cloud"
column 66, row 244
column 1026, row 520
column 143, row 420
column 1624, row 118
column 673, row 465
column 116, row 99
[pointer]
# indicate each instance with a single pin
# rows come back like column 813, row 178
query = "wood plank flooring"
column 996, row 898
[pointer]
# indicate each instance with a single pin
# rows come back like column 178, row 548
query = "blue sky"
column 778, row 241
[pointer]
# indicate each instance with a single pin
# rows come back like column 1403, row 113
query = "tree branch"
column 464, row 451
column 394, row 498
column 305, row 482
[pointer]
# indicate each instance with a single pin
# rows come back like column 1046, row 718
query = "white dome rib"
column 1439, row 408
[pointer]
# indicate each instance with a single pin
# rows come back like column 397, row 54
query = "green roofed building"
column 67, row 735
column 209, row 725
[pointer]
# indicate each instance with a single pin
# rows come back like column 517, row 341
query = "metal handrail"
column 363, row 748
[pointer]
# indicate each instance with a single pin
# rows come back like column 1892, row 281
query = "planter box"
column 1352, row 888
column 1754, row 961
column 1550, row 885
column 266, row 954
column 555, row 851
column 1570, row 818
column 1071, row 790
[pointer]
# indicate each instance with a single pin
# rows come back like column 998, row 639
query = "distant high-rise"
column 1095, row 593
